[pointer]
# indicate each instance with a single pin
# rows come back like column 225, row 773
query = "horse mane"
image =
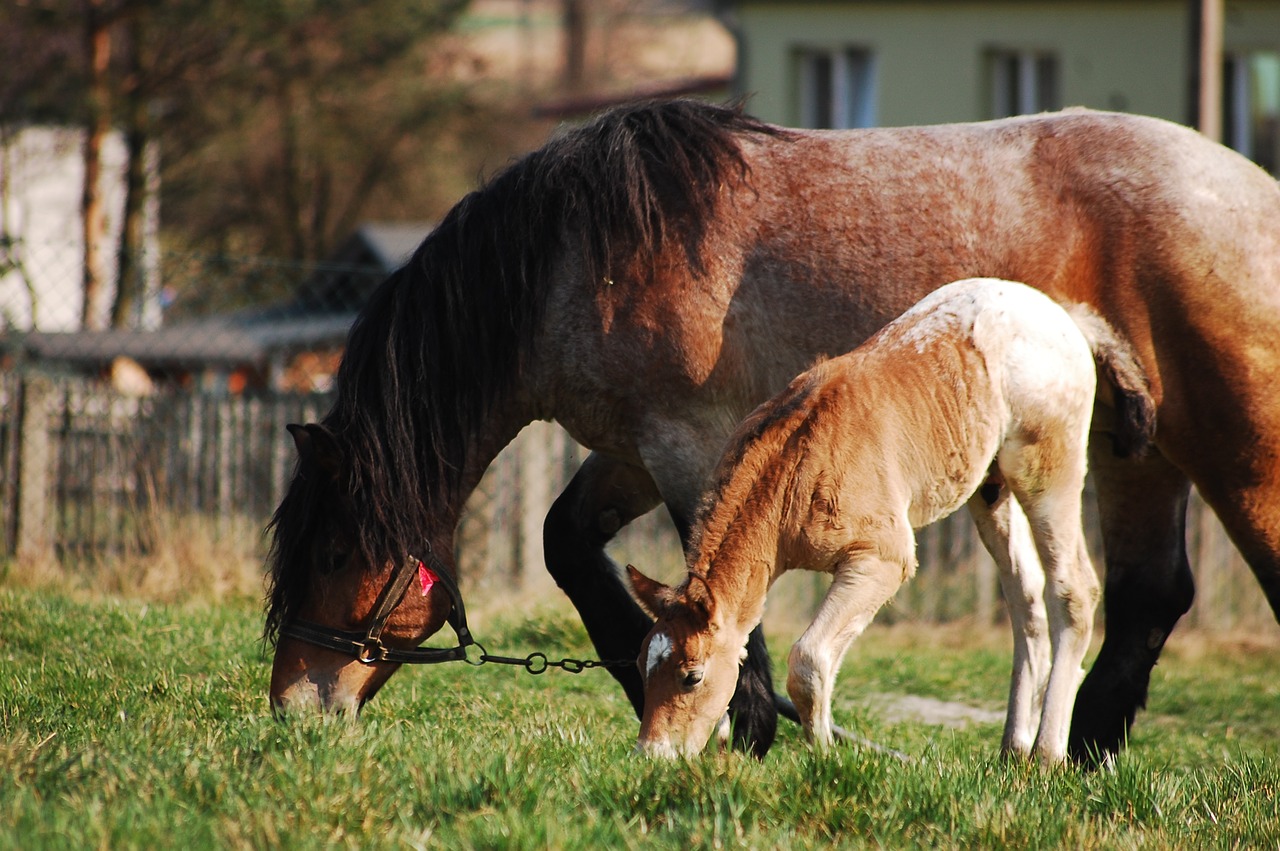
column 442, row 339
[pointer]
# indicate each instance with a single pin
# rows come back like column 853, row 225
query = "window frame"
column 850, row 87
column 1035, row 84
column 1240, row 101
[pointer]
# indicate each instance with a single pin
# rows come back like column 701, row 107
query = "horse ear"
column 654, row 597
column 317, row 446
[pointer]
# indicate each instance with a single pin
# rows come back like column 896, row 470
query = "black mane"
column 443, row 338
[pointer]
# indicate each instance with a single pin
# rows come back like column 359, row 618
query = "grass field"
column 127, row 725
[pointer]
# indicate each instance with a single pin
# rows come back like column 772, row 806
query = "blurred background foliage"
column 281, row 125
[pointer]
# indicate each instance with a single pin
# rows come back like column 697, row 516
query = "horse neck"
column 506, row 419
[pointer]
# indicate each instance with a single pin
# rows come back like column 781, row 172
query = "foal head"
column 689, row 664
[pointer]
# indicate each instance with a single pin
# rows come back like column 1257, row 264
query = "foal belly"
column 946, row 482
column 942, row 498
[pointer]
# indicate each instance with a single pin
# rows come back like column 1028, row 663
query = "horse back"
column 1165, row 234
column 830, row 235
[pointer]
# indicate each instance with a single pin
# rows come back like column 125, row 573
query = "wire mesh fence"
column 116, row 444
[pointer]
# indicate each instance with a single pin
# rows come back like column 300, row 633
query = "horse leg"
column 1005, row 533
column 603, row 496
column 1143, row 507
column 1249, row 508
column 860, row 587
column 753, row 709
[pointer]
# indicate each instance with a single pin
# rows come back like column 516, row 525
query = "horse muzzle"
column 307, row 679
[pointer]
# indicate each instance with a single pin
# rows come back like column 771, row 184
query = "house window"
column 1023, row 82
column 836, row 88
column 1251, row 106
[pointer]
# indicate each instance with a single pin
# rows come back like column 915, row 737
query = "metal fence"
column 91, row 474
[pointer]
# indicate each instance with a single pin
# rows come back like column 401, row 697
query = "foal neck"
column 739, row 567
column 740, row 545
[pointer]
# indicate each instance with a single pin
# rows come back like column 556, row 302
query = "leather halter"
column 367, row 646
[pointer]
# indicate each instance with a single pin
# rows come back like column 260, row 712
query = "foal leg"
column 1072, row 598
column 1048, row 482
column 1006, row 534
column 1143, row 507
column 860, row 587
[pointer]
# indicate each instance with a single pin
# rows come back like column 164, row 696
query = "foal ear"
column 654, row 597
column 317, row 446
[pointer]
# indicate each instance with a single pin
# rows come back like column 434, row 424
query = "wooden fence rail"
column 88, row 473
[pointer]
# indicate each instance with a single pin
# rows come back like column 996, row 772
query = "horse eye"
column 691, row 678
column 333, row 559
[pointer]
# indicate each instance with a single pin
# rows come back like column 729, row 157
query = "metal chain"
column 537, row 663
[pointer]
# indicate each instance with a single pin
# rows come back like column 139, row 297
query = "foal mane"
column 443, row 339
column 759, row 456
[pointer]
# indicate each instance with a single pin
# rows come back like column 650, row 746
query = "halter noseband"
column 367, row 646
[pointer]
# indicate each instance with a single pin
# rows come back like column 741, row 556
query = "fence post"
column 986, row 580
column 535, row 497
column 35, row 471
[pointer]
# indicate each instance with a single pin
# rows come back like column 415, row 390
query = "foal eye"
column 691, row 678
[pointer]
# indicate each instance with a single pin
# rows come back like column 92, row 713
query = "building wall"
column 931, row 57
column 42, row 255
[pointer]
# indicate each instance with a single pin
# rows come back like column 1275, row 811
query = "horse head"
column 324, row 584
column 689, row 663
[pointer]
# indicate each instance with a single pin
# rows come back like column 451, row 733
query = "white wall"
column 41, row 181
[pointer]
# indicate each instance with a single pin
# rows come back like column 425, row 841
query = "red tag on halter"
column 426, row 577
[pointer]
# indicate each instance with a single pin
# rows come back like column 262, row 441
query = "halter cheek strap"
column 367, row 646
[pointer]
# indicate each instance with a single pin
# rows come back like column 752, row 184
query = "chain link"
column 538, row 663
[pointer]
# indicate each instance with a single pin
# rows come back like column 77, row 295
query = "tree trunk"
column 575, row 44
column 1205, row 24
column 130, row 270
column 98, row 46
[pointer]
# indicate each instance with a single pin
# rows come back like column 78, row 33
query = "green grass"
column 124, row 725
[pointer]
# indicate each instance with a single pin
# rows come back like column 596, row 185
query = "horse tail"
column 1118, row 366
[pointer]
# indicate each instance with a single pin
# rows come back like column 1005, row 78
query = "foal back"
column 981, row 374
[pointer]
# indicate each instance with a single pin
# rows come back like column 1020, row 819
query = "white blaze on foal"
column 658, row 653
column 981, row 394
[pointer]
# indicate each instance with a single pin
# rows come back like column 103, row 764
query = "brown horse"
column 648, row 279
column 982, row 390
